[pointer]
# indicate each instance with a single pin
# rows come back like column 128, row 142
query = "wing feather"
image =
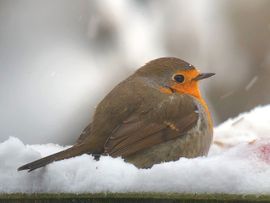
column 143, row 130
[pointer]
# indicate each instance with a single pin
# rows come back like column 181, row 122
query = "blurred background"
column 58, row 59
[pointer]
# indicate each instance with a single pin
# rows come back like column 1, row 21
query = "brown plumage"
column 155, row 115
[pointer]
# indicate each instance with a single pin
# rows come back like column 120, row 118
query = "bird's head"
column 172, row 75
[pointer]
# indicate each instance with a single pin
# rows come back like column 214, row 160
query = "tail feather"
column 68, row 153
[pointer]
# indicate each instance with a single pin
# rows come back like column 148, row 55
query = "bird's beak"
column 203, row 76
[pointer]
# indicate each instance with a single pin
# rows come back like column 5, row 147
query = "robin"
column 155, row 115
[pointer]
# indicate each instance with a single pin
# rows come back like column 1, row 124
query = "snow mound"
column 238, row 163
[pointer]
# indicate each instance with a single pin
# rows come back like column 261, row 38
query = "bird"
column 156, row 115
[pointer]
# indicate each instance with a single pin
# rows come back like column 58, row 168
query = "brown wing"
column 85, row 133
column 145, row 129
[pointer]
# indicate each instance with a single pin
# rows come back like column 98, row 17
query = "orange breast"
column 190, row 87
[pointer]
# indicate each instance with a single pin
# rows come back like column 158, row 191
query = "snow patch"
column 238, row 163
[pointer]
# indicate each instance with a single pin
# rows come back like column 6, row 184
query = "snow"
column 251, row 83
column 238, row 163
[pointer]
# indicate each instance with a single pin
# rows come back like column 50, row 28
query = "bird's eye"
column 179, row 78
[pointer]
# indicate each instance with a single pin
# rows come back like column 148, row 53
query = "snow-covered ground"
column 238, row 162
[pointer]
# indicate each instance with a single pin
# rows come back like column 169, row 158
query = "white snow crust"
column 238, row 163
